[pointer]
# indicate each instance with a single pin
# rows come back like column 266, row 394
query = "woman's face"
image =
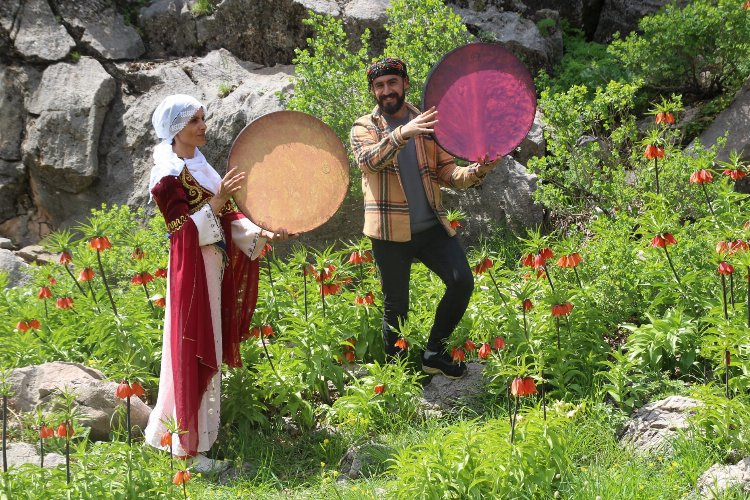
column 194, row 133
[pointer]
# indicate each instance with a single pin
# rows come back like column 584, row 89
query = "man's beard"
column 390, row 109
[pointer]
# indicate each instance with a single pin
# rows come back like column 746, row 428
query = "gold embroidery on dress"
column 176, row 224
column 197, row 194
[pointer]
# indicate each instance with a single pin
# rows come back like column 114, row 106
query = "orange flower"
column 267, row 248
column 86, row 274
column 571, row 260
column 255, row 332
column 51, row 279
column 22, row 326
column 137, row 389
column 138, row 254
column 141, row 278
column 402, row 344
column 181, row 477
column 350, row 356
column 455, row 224
column 267, row 330
column 368, row 299
column 546, row 253
column 726, row 268
column 735, row 174
column 100, row 243
column 653, row 152
column 663, row 240
column 665, row 117
column 702, row 176
column 34, row 324
column 528, row 260
column 527, row 305
column 355, row 258
column 379, row 389
column 722, row 247
column 166, row 439
column 562, row 309
column 499, row 343
column 469, row 346
column 458, row 355
column 46, row 432
column 746, row 6
column 484, row 351
column 44, row 293
column 160, row 302
column 64, row 303
column 160, row 273
column 738, row 246
column 523, row 386
column 65, row 430
column 123, row 390
column 65, row 257
column 483, row 265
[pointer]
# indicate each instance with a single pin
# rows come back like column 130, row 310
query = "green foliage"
column 202, row 8
column 421, row 32
column 721, row 423
column 700, row 49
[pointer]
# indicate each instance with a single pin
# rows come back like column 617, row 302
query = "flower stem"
column 549, row 278
column 93, row 296
column 513, row 422
column 708, row 200
column 5, row 432
column 557, row 323
column 41, row 449
column 148, row 296
column 656, row 172
column 731, row 289
column 494, row 282
column 304, row 290
column 127, row 420
column 525, row 325
column 671, row 266
column 104, row 279
column 724, row 295
column 726, row 370
column 67, row 452
column 578, row 278
column 748, row 296
column 70, row 273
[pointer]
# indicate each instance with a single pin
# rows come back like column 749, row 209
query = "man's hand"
column 421, row 124
column 485, row 165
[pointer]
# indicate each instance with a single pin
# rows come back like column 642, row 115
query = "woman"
column 212, row 278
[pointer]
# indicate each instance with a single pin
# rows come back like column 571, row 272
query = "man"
column 402, row 170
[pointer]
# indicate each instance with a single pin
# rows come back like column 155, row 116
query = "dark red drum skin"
column 297, row 171
column 485, row 99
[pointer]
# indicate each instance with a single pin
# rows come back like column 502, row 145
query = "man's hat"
column 386, row 66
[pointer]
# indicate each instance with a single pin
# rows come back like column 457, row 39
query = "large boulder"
column 520, row 35
column 16, row 269
column 733, row 122
column 505, row 197
column 33, row 30
column 653, row 426
column 36, row 386
column 583, row 14
column 359, row 15
column 68, row 108
column 26, row 453
column 265, row 31
column 622, row 16
column 715, row 482
column 101, row 28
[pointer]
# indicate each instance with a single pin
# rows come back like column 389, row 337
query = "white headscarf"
column 170, row 117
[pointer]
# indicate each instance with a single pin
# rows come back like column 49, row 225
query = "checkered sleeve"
column 453, row 176
column 371, row 152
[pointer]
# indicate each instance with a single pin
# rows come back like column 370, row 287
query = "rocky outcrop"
column 15, row 267
column 27, row 453
column 735, row 122
column 520, row 35
column 653, row 426
column 715, row 482
column 31, row 30
column 622, row 16
column 35, row 387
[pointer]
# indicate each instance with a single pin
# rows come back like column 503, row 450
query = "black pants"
column 441, row 254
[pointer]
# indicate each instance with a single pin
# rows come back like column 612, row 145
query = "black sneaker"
column 441, row 363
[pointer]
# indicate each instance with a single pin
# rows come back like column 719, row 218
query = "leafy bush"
column 701, row 49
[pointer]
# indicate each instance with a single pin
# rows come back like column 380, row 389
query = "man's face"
column 389, row 92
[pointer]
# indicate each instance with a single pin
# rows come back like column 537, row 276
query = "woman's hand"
column 280, row 235
column 230, row 184
column 421, row 124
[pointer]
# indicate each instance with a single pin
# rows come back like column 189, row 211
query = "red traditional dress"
column 212, row 289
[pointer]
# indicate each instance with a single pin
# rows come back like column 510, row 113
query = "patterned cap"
column 386, row 66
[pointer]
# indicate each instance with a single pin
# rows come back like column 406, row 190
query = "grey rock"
column 35, row 32
column 534, row 144
column 364, row 461
column 70, row 105
column 623, row 16
column 716, row 480
column 359, row 15
column 26, row 453
column 102, row 28
column 734, row 121
column 520, row 35
column 653, row 426
column 168, row 28
column 6, row 244
column 582, row 14
column 35, row 387
column 505, row 198
column 36, row 253
column 446, row 393
column 12, row 111
column 11, row 186
column 17, row 270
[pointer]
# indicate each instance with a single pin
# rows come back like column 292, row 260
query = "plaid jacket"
column 376, row 148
